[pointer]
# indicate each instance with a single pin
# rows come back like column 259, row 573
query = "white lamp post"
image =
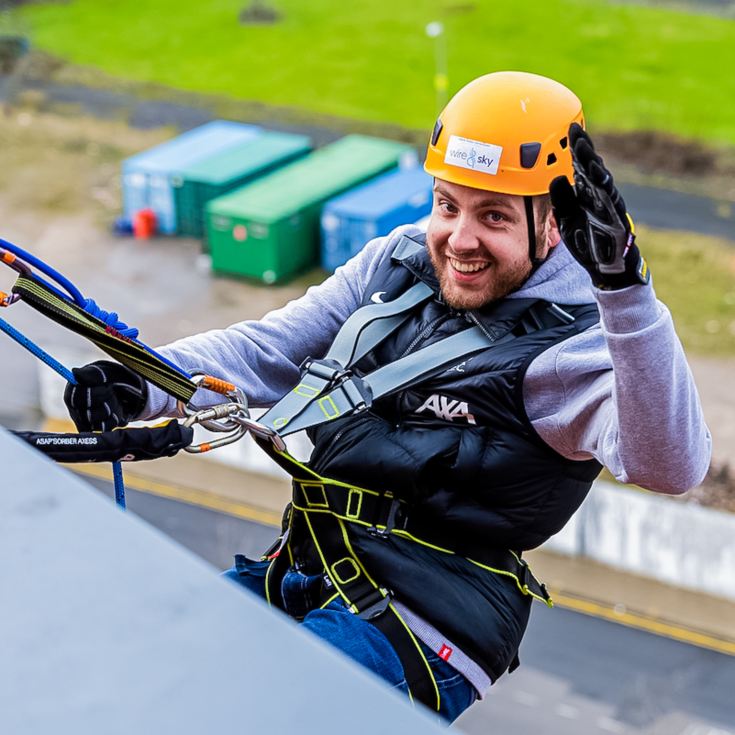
column 435, row 30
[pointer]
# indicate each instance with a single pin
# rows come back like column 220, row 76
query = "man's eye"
column 495, row 217
column 447, row 207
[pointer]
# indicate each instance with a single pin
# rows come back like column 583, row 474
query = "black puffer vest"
column 459, row 448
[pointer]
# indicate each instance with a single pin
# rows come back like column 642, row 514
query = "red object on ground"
column 145, row 224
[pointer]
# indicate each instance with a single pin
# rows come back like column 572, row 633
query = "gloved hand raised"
column 593, row 220
column 107, row 395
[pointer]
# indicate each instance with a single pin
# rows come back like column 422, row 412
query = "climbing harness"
column 62, row 302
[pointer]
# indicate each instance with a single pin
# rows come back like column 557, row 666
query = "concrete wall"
column 654, row 536
column 108, row 626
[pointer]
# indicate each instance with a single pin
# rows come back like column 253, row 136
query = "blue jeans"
column 352, row 635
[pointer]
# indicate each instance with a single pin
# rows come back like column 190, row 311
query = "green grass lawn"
column 695, row 277
column 635, row 67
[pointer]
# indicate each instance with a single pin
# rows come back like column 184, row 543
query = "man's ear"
column 552, row 236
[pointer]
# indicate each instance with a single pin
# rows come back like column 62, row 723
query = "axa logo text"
column 447, row 409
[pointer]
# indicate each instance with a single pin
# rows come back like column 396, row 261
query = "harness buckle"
column 390, row 523
column 378, row 607
column 377, row 532
column 354, row 389
column 329, row 370
column 356, row 393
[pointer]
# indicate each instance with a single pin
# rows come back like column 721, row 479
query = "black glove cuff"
column 636, row 273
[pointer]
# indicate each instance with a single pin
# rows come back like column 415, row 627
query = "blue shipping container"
column 372, row 210
column 147, row 177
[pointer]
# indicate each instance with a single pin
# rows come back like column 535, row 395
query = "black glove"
column 107, row 395
column 593, row 220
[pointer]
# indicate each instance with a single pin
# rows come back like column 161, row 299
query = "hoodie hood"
column 560, row 279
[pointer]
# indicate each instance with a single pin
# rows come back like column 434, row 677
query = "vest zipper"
column 425, row 332
column 470, row 317
column 430, row 327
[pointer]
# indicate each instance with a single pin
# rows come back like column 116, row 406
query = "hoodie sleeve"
column 622, row 392
column 263, row 357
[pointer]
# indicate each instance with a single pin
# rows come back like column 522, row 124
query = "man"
column 403, row 543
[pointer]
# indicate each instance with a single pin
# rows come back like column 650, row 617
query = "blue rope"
column 110, row 318
column 117, row 475
column 67, row 374
column 168, row 362
column 71, row 289
column 32, row 347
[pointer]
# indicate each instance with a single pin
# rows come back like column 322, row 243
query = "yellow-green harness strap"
column 386, row 515
column 124, row 350
column 324, row 509
column 367, row 599
column 348, row 577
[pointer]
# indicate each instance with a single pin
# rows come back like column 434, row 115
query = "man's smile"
column 464, row 266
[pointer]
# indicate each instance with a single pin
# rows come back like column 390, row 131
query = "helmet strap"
column 531, row 222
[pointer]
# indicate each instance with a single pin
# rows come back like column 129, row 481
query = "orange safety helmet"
column 505, row 132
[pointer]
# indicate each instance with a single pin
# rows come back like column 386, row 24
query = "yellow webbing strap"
column 303, row 474
column 333, row 546
column 123, row 349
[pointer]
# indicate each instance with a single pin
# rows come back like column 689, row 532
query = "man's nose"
column 464, row 236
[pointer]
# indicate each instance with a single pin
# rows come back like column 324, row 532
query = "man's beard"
column 500, row 285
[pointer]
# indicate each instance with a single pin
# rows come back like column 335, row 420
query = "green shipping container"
column 230, row 169
column 269, row 229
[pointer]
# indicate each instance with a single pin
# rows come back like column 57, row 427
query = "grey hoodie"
column 620, row 392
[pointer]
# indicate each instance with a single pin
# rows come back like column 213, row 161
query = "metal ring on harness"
column 261, row 432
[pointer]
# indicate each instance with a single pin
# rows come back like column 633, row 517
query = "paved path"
column 673, row 210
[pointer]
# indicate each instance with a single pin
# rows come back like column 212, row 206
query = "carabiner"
column 231, row 391
column 7, row 299
column 214, row 417
column 233, row 416
column 12, row 260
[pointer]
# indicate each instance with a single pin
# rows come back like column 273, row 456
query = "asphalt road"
column 673, row 210
column 579, row 675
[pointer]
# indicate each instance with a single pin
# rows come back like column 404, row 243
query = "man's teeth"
column 458, row 265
